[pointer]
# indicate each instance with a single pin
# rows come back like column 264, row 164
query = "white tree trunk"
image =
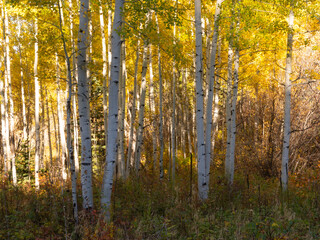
column 61, row 124
column 133, row 113
column 11, row 111
column 84, row 108
column 37, row 108
column 211, row 87
column 287, row 106
column 233, row 112
column 153, row 109
column 69, row 137
column 104, row 71
column 49, row 135
column 160, row 107
column 23, row 101
column 113, row 111
column 228, row 112
column 216, row 100
column 122, row 101
column 142, row 105
column 74, row 100
column 202, row 180
column 3, row 125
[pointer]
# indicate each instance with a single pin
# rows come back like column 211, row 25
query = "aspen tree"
column 173, row 127
column 160, row 106
column 61, row 124
column 143, row 91
column 121, row 113
column 69, row 137
column 229, row 103
column 4, row 102
column 142, row 104
column 211, row 87
column 74, row 100
column 10, row 107
column 231, row 106
column 104, row 70
column 84, row 107
column 202, row 184
column 3, row 126
column 23, row 101
column 37, row 107
column 152, row 109
column 113, row 110
column 216, row 99
column 133, row 113
column 287, row 104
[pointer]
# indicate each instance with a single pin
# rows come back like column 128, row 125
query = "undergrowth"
column 146, row 208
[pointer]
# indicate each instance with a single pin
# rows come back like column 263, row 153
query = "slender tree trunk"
column 74, row 100
column 104, row 71
column 61, row 124
column 23, row 101
column 3, row 126
column 69, row 138
column 211, row 88
column 11, row 107
column 228, row 112
column 49, row 133
column 142, row 104
column 216, row 100
column 122, row 100
column 160, row 107
column 153, row 109
column 233, row 115
column 173, row 124
column 84, row 108
column 113, row 111
column 133, row 113
column 287, row 105
column 202, row 180
column 37, row 108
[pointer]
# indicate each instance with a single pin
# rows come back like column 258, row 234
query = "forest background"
column 159, row 119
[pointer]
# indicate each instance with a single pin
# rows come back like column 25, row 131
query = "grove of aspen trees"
column 159, row 119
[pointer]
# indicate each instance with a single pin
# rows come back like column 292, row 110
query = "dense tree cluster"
column 102, row 90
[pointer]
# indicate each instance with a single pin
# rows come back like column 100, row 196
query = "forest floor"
column 145, row 208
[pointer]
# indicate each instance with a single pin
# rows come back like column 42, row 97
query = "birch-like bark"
column 228, row 112
column 84, row 107
column 49, row 133
column 3, row 125
column 142, row 104
column 11, row 107
column 36, row 108
column 160, row 106
column 287, row 105
column 61, row 124
column 74, row 100
column 122, row 101
column 202, row 184
column 133, row 113
column 233, row 115
column 152, row 108
column 3, row 130
column 104, row 72
column 211, row 87
column 6, row 137
column 113, row 111
column 23, row 101
column 216, row 100
column 69, row 138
